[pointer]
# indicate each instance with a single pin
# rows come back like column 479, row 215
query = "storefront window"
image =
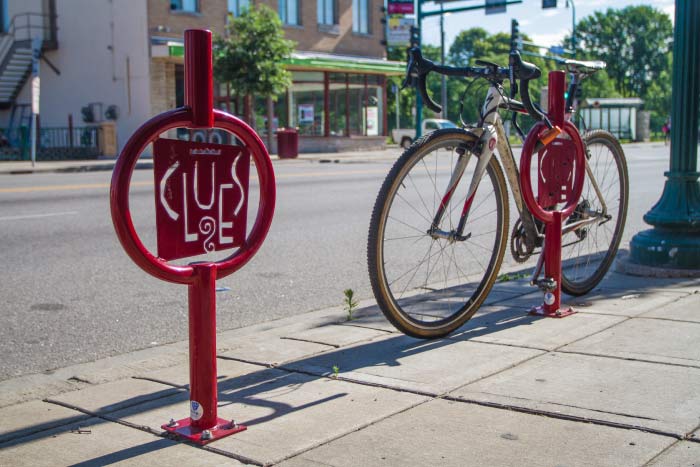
column 355, row 105
column 338, row 100
column 306, row 103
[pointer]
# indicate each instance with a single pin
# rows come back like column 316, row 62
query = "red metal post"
column 553, row 219
column 203, row 425
column 202, row 318
column 199, row 91
column 556, row 105
column 552, row 263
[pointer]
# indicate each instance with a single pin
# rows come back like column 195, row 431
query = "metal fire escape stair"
column 14, row 69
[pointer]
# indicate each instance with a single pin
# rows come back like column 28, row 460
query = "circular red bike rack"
column 121, row 179
column 567, row 159
column 203, row 425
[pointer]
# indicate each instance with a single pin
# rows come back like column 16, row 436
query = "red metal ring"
column 121, row 180
column 526, row 184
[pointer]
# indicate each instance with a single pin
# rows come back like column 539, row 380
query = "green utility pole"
column 573, row 25
column 419, row 20
column 674, row 242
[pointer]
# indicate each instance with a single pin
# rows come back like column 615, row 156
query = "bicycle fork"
column 483, row 149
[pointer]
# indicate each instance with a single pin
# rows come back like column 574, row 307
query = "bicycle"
column 436, row 245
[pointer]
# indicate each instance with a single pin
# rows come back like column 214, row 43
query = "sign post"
column 560, row 180
column 37, row 43
column 201, row 195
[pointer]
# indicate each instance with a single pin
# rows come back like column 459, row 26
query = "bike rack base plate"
column 560, row 313
column 184, row 429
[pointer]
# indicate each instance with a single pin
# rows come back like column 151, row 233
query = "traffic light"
column 515, row 41
column 549, row 3
column 415, row 36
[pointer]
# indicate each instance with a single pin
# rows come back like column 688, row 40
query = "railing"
column 53, row 143
column 83, row 137
column 27, row 26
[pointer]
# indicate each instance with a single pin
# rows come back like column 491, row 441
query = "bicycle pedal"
column 547, row 284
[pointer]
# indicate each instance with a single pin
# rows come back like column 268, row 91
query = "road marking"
column 30, row 189
column 38, row 216
column 87, row 186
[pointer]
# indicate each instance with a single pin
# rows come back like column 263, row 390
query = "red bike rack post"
column 560, row 180
column 216, row 222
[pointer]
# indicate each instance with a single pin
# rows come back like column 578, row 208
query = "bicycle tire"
column 459, row 301
column 586, row 262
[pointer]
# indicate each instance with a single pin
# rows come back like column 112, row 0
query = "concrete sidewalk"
column 25, row 167
column 614, row 385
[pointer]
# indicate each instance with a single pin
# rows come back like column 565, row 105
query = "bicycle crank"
column 521, row 247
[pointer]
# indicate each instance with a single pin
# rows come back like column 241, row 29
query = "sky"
column 546, row 27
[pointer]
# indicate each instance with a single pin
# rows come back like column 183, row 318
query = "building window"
column 190, row 6
column 238, row 6
column 360, row 16
column 289, row 12
column 327, row 12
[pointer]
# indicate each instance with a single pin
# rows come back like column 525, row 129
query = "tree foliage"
column 249, row 56
column 634, row 41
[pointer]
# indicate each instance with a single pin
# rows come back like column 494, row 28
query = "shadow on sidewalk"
column 254, row 388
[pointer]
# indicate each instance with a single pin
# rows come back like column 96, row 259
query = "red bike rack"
column 561, row 171
column 221, row 221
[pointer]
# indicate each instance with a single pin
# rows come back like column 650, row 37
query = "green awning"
column 344, row 64
column 325, row 62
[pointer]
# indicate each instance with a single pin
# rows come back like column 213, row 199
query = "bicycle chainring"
column 520, row 248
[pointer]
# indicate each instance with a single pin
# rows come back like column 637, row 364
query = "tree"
column 468, row 44
column 249, row 58
column 634, row 41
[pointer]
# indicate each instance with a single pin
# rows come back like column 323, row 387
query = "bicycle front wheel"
column 425, row 285
column 588, row 252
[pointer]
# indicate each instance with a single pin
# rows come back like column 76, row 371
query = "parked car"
column 405, row 136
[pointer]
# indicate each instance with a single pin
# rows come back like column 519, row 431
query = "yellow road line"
column 89, row 186
column 84, row 186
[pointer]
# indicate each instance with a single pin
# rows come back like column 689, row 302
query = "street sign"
column 549, row 3
column 399, row 32
column 556, row 50
column 36, row 94
column 493, row 7
column 400, row 7
column 201, row 197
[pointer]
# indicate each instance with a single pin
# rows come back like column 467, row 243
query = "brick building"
column 128, row 55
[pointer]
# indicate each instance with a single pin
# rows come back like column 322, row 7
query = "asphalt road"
column 69, row 293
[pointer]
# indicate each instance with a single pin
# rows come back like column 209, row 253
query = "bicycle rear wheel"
column 427, row 287
column 588, row 252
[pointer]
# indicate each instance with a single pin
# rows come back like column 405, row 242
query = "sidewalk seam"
column 160, row 434
column 561, row 416
column 630, row 359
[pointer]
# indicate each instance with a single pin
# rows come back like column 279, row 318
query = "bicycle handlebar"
column 418, row 68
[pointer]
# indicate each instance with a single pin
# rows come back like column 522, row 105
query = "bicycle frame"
column 491, row 136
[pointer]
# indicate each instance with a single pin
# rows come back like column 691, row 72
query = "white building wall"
column 95, row 40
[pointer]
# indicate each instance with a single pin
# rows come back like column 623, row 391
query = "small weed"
column 350, row 303
column 511, row 277
column 336, row 370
